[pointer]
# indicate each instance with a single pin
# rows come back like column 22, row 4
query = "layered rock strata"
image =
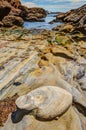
column 35, row 58
column 76, row 20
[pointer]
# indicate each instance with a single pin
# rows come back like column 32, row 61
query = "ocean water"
column 42, row 25
column 51, row 6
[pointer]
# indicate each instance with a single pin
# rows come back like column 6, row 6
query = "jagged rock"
column 76, row 17
column 10, row 21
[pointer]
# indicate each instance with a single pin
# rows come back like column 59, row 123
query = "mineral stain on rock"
column 6, row 107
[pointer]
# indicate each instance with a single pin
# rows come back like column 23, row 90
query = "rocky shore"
column 30, row 59
column 33, row 58
column 75, row 20
column 14, row 13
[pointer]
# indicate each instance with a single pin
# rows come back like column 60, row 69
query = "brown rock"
column 10, row 21
column 64, row 28
column 14, row 3
column 77, row 17
column 32, row 14
column 82, row 21
column 1, row 24
column 33, row 18
column 4, row 9
column 15, row 12
column 6, row 106
column 73, row 15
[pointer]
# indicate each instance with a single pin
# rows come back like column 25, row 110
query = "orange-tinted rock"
column 7, row 106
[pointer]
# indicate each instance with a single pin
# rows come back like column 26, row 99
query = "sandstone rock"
column 72, row 120
column 40, row 12
column 32, row 14
column 1, row 24
column 30, row 61
column 16, row 12
column 77, row 17
column 33, row 18
column 73, row 15
column 44, row 100
column 82, row 20
column 4, row 9
column 10, row 21
column 14, row 3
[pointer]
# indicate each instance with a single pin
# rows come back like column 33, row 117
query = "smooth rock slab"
column 71, row 120
column 46, row 102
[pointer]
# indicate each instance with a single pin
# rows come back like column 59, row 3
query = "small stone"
column 17, row 83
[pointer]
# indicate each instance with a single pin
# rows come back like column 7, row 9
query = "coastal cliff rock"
column 15, row 11
column 75, row 17
column 32, row 14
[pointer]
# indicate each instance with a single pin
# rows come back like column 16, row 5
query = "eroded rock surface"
column 33, row 58
column 16, row 13
column 72, row 120
column 76, row 18
column 42, row 101
column 4, row 9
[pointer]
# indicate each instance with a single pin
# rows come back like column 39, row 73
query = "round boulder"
column 46, row 103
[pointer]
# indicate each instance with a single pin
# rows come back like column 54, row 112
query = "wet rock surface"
column 30, row 59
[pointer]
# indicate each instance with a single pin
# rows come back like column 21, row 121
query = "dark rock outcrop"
column 10, row 21
column 4, row 9
column 75, row 17
column 12, row 12
column 32, row 14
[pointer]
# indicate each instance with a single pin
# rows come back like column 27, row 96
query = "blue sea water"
column 42, row 25
column 51, row 6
